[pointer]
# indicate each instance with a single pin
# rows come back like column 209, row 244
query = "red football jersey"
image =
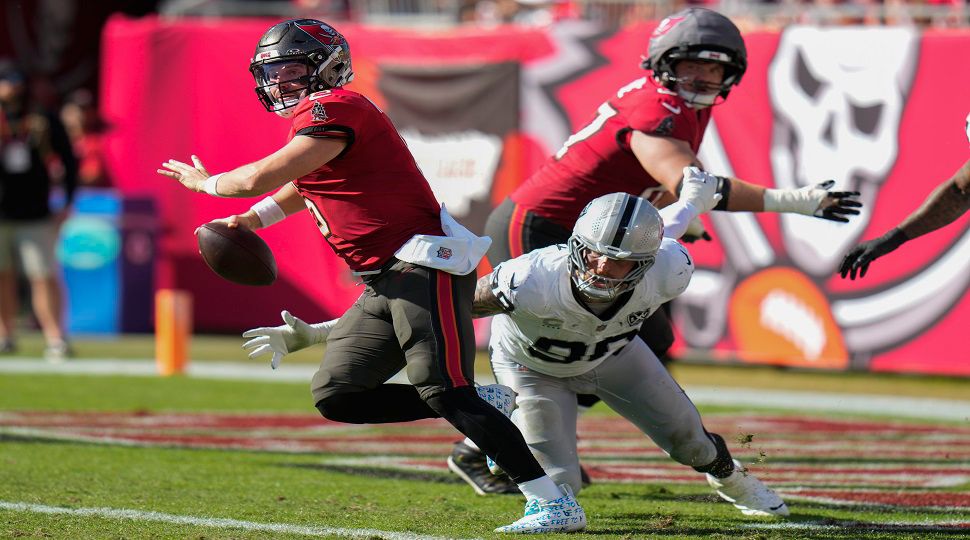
column 372, row 198
column 597, row 159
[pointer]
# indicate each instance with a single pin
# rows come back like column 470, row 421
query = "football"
column 237, row 254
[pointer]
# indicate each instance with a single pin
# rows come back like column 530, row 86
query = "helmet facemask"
column 622, row 227
column 280, row 85
column 597, row 288
column 696, row 93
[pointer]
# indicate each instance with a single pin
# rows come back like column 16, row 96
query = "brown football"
column 238, row 254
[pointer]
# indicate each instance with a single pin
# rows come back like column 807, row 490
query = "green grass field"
column 88, row 456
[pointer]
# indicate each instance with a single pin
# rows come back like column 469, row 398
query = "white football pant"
column 633, row 383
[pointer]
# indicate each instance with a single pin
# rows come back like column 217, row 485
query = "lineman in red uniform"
column 639, row 142
column 356, row 176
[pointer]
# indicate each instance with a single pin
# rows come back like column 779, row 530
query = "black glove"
column 857, row 260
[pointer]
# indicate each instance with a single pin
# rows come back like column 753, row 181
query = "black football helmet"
column 696, row 34
column 312, row 56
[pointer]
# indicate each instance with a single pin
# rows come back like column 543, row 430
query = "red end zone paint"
column 864, row 462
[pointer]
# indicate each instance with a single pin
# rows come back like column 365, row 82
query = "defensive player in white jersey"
column 566, row 322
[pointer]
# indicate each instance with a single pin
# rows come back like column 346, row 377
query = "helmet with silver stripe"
column 622, row 227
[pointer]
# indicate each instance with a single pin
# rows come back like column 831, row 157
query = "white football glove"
column 699, row 188
column 281, row 340
column 695, row 231
column 815, row 201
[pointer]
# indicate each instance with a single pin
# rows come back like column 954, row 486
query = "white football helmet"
column 620, row 226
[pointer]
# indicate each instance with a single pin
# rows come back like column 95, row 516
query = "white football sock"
column 471, row 443
column 542, row 488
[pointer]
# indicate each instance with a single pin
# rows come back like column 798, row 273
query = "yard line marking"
column 221, row 523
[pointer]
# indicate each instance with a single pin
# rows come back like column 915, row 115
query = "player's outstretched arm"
column 301, row 156
column 281, row 340
column 664, row 158
column 943, row 206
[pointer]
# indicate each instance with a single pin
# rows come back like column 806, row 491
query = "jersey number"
column 604, row 113
column 567, row 352
column 318, row 217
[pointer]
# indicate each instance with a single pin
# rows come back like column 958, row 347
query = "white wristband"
column 209, row 186
column 268, row 211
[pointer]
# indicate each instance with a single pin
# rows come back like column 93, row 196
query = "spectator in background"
column 33, row 142
column 86, row 130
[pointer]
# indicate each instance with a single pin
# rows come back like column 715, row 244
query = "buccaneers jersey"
column 597, row 159
column 372, row 198
column 545, row 328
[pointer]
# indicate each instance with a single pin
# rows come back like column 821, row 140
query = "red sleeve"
column 663, row 118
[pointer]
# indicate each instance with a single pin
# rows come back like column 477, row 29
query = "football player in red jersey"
column 943, row 206
column 639, row 142
column 356, row 176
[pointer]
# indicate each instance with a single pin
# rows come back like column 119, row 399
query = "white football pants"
column 633, row 383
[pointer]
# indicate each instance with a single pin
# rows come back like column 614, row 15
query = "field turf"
column 88, row 456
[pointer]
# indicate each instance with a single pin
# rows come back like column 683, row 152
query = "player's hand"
column 836, row 205
column 695, row 231
column 191, row 176
column 699, row 188
column 281, row 340
column 815, row 200
column 249, row 220
column 857, row 261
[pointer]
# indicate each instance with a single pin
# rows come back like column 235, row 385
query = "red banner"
column 880, row 110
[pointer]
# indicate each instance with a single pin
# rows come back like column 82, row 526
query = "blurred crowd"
column 750, row 14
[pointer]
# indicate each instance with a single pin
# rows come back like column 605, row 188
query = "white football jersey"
column 548, row 330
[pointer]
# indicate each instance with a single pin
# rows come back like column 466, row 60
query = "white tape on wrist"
column 268, row 211
column 799, row 201
column 209, row 186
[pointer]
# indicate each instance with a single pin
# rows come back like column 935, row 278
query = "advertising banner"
column 879, row 110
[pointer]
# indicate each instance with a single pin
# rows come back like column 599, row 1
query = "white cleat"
column 561, row 515
column 748, row 494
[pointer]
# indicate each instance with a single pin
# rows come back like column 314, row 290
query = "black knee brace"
column 723, row 464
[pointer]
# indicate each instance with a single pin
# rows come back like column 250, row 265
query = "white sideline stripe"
column 220, row 523
column 881, row 405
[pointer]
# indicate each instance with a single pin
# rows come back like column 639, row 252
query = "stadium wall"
column 881, row 108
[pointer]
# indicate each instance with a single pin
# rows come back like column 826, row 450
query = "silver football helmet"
column 620, row 226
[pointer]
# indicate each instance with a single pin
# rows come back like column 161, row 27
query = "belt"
column 371, row 274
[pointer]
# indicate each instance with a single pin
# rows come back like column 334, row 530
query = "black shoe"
column 8, row 346
column 469, row 465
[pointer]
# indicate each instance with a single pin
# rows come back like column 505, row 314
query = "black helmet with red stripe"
column 297, row 57
column 697, row 34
